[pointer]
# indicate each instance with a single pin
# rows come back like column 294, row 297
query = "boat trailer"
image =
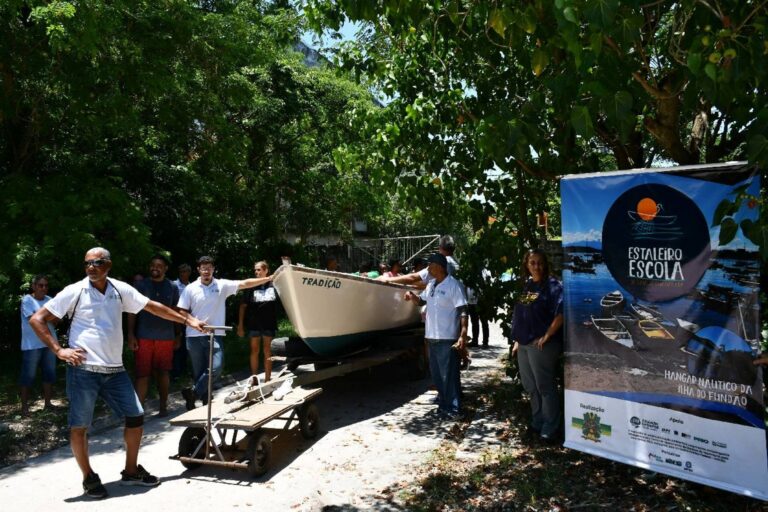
column 236, row 431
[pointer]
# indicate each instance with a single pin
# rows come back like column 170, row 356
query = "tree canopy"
column 492, row 101
column 177, row 126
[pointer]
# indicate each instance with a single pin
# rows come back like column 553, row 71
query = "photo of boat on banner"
column 661, row 278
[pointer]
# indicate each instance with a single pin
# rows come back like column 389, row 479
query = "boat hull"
column 336, row 313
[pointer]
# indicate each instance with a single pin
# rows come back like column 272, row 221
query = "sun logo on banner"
column 647, row 209
column 656, row 242
column 649, row 224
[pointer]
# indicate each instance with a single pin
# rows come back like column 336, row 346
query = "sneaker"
column 189, row 395
column 93, row 488
column 553, row 439
column 142, row 477
column 450, row 415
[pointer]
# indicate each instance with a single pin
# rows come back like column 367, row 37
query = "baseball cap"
column 439, row 259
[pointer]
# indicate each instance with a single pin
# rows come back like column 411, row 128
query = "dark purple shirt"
column 538, row 306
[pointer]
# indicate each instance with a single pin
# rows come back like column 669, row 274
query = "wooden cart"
column 236, row 432
column 236, row 435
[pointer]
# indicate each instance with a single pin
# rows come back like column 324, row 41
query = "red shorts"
column 153, row 355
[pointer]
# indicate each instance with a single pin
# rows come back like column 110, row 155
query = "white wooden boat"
column 613, row 302
column 336, row 313
column 645, row 312
column 614, row 330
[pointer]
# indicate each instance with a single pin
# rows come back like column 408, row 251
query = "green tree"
column 183, row 126
column 498, row 98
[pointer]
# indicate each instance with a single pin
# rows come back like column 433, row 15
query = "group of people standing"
column 536, row 337
column 156, row 310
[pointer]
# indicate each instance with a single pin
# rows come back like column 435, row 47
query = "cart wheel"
column 259, row 453
column 309, row 421
column 190, row 439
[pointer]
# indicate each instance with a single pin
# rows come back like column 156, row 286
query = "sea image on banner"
column 661, row 298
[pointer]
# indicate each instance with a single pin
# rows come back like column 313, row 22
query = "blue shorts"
column 116, row 389
column 31, row 359
column 262, row 332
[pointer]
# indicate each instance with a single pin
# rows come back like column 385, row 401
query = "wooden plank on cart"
column 249, row 417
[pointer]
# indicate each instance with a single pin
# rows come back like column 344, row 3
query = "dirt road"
column 376, row 427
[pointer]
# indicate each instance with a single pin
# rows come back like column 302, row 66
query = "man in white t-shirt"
column 94, row 356
column 445, row 332
column 206, row 299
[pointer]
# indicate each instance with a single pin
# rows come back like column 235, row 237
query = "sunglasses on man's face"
column 96, row 263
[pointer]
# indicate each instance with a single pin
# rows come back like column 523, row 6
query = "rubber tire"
column 309, row 421
column 190, row 438
column 259, row 453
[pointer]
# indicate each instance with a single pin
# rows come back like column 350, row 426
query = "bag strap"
column 72, row 316
column 74, row 309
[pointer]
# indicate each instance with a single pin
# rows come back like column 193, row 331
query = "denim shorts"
column 116, row 389
column 262, row 332
column 31, row 359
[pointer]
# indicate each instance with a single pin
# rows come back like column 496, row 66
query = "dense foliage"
column 181, row 126
column 495, row 99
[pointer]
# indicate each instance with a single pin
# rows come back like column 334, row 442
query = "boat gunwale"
column 340, row 275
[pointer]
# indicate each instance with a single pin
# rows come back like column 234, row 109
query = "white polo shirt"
column 97, row 325
column 207, row 303
column 443, row 299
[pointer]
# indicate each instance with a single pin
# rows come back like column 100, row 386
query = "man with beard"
column 153, row 339
column 206, row 298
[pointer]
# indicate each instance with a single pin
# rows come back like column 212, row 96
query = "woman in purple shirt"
column 538, row 342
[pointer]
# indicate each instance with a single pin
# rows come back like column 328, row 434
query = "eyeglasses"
column 96, row 263
column 41, row 285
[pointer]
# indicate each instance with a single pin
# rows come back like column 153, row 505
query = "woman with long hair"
column 537, row 339
column 258, row 316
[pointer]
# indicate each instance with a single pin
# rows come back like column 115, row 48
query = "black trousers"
column 475, row 319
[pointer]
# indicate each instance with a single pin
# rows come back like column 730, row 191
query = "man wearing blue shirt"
column 34, row 353
column 153, row 339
